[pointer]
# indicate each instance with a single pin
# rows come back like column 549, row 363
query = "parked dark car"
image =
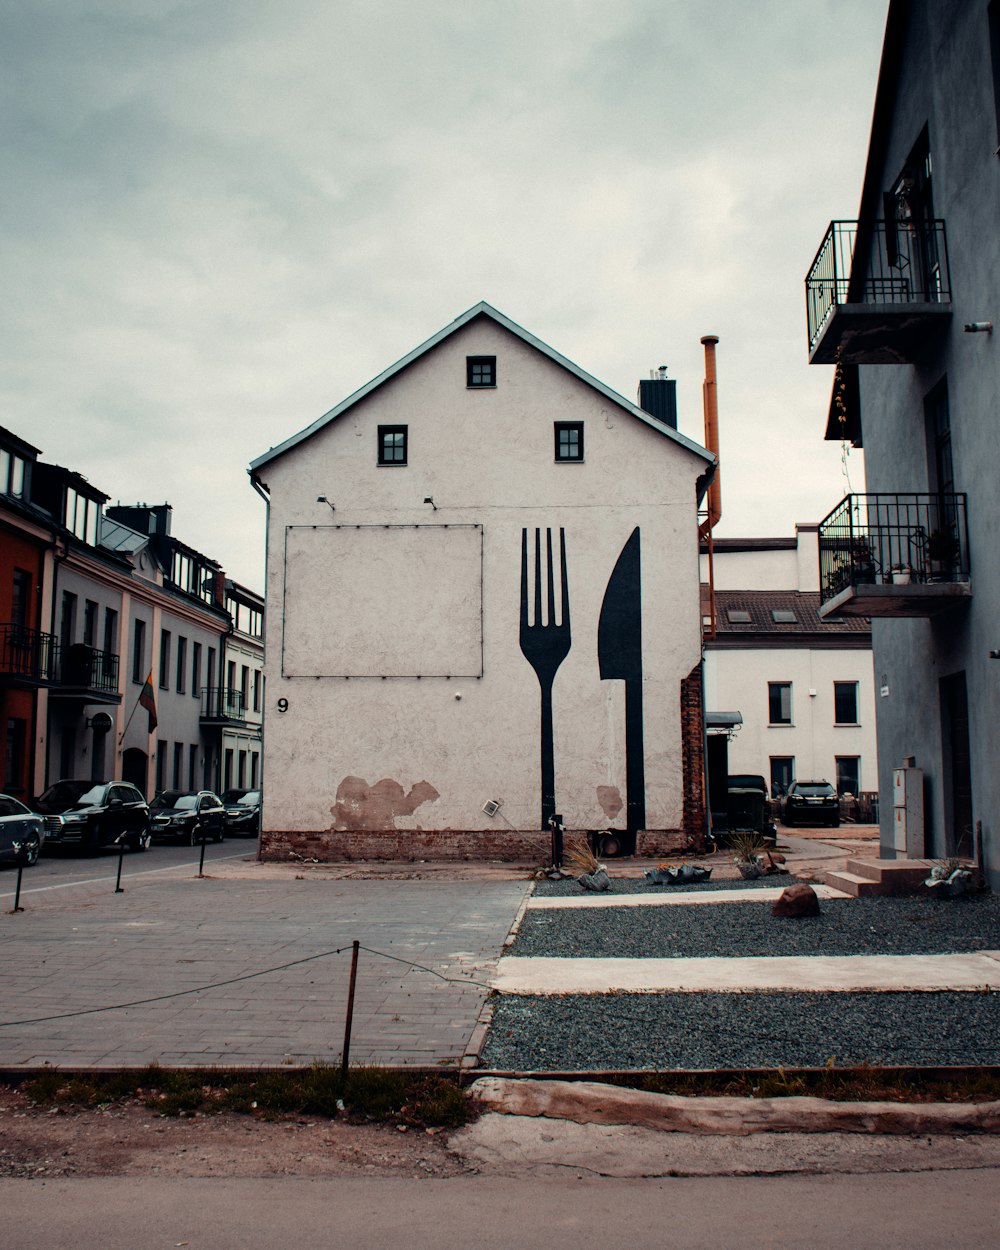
column 21, row 832
column 747, row 806
column 188, row 816
column 90, row 815
column 811, row 803
column 242, row 812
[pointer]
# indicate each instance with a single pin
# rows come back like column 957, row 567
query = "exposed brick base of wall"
column 693, row 760
column 510, row 845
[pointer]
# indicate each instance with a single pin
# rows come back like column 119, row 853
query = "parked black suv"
column 811, row 803
column 188, row 816
column 242, row 812
column 89, row 815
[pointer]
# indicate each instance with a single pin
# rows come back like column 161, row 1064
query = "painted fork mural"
column 545, row 644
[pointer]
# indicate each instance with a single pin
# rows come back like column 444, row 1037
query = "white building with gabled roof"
column 482, row 589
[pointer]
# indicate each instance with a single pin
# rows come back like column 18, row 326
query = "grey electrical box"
column 908, row 812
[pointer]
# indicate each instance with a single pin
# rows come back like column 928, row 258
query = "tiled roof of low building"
column 752, row 613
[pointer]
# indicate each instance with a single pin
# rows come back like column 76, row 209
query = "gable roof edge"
column 477, row 310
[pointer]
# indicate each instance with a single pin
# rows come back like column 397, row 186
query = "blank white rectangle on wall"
column 383, row 601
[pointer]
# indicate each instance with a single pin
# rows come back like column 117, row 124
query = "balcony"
column 26, row 655
column 898, row 299
column 220, row 705
column 894, row 556
column 84, row 674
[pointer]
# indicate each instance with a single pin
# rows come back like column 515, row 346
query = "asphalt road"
column 925, row 1211
column 61, row 870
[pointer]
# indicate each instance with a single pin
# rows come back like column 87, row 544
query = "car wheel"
column 835, row 823
column 788, row 821
column 28, row 853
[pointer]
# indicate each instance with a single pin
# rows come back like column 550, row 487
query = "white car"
column 21, row 832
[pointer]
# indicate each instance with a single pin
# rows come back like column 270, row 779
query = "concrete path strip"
column 750, row 894
column 826, row 973
column 589, row 1102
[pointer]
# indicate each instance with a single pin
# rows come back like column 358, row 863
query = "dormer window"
column 11, row 474
column 480, row 371
column 81, row 516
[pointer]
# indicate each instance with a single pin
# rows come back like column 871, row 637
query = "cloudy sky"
column 220, row 217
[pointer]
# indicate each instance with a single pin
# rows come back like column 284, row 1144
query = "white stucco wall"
column 486, row 457
column 737, row 680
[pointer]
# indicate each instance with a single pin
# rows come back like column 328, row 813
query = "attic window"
column 392, row 444
column 738, row 616
column 784, row 616
column 480, row 371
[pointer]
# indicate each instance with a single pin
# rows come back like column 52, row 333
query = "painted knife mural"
column 619, row 654
column 545, row 644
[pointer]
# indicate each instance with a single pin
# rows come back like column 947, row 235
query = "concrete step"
column 851, row 883
column 893, row 876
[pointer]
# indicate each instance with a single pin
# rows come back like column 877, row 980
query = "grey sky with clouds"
column 220, row 218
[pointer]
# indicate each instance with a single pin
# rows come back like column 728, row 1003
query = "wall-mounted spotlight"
column 978, row 327
column 323, row 499
column 430, row 499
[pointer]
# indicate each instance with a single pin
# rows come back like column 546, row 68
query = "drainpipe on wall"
column 710, row 401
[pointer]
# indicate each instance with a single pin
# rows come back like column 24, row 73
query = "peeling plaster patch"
column 361, row 806
column 610, row 799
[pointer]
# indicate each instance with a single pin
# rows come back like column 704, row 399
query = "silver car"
column 21, row 832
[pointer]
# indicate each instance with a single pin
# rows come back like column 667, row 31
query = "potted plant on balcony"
column 900, row 574
column 942, row 551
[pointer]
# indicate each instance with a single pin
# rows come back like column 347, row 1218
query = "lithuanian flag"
column 148, row 701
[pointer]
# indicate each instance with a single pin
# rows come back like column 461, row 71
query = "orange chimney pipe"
column 711, row 403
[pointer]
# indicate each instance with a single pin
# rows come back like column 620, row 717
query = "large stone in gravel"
column 589, row 1102
column 797, row 900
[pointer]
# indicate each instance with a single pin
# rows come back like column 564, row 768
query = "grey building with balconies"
column 902, row 303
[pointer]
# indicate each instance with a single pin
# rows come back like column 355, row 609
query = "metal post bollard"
column 17, row 891
column 201, row 861
column 119, row 889
column 350, row 1017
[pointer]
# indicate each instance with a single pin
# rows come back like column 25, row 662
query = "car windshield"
column 65, row 793
column 815, row 789
column 186, row 802
column 250, row 799
column 167, row 799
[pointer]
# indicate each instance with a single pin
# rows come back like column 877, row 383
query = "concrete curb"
column 587, row 1102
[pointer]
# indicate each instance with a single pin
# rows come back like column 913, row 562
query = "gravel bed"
column 581, row 1032
column 633, row 885
column 861, row 926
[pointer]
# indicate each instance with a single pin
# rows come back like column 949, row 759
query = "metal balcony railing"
column 221, row 703
column 83, row 667
column 903, row 263
column 893, row 539
column 25, row 653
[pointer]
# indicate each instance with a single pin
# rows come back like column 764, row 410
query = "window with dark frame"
column 90, row 622
column 779, row 702
column 182, row 643
column 848, row 774
column 164, row 659
column 178, row 763
column 139, row 651
column 569, row 440
column 782, row 774
column 20, row 607
column 110, row 630
column 392, row 444
column 196, row 669
column 845, row 702
column 480, row 371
